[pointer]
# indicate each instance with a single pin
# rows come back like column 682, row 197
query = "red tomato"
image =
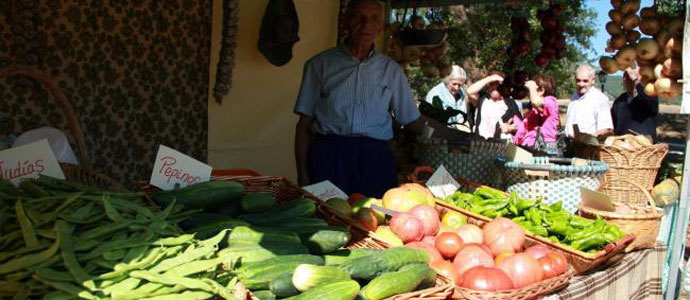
column 429, row 217
column 486, row 279
column 447, row 269
column 503, row 235
column 434, row 255
column 471, row 256
column 537, row 251
column 367, row 218
column 470, row 233
column 501, row 257
column 481, row 246
column 429, row 240
column 553, row 264
column 448, row 244
column 523, row 269
column 355, row 197
column 407, row 227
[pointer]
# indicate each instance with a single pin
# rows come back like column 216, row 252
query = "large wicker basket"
column 532, row 291
column 91, row 177
column 639, row 166
column 582, row 262
column 285, row 191
column 643, row 222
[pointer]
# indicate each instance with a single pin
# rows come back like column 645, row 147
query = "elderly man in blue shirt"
column 345, row 102
column 452, row 96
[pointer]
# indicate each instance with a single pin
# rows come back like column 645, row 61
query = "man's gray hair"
column 354, row 3
column 587, row 68
column 458, row 73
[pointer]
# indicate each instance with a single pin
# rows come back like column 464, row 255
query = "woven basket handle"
column 61, row 101
column 650, row 199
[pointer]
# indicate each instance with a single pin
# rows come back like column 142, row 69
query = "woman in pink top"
column 543, row 118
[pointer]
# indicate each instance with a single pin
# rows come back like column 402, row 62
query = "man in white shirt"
column 589, row 108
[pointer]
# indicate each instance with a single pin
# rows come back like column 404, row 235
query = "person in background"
column 589, row 108
column 543, row 120
column 492, row 114
column 633, row 112
column 452, row 96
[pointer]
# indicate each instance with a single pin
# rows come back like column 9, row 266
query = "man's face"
column 584, row 81
column 454, row 86
column 365, row 23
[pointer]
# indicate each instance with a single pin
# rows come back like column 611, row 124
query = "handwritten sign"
column 325, row 190
column 441, row 183
column 29, row 161
column 173, row 168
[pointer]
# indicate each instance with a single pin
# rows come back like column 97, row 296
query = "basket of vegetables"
column 286, row 243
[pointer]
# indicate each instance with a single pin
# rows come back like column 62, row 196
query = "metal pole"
column 677, row 245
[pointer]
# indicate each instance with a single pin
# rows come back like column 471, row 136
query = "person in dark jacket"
column 492, row 114
column 633, row 111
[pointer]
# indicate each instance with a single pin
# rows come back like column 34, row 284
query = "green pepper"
column 489, row 193
column 580, row 222
column 554, row 239
column 561, row 228
column 589, row 242
column 539, row 230
column 519, row 219
column 491, row 208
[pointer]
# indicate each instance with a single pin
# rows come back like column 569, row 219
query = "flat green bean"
column 190, row 283
column 58, row 296
column 188, row 295
column 103, row 229
column 64, row 232
column 110, row 211
column 151, row 258
column 183, row 258
column 11, row 287
column 115, row 255
column 122, row 287
column 146, row 239
column 219, row 289
column 22, row 294
column 18, row 276
column 194, row 267
column 72, row 198
column 52, row 275
column 28, row 232
column 68, row 288
column 142, row 293
column 85, row 245
column 33, row 189
column 31, row 259
column 134, row 254
column 103, row 263
column 7, row 255
column 83, row 211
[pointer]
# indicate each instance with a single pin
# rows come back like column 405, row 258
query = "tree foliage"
column 479, row 35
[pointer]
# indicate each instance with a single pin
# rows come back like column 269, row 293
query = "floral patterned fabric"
column 135, row 72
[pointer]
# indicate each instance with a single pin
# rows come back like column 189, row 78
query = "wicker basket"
column 285, row 191
column 644, row 222
column 639, row 166
column 91, row 177
column 531, row 291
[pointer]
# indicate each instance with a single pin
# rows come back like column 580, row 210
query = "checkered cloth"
column 635, row 276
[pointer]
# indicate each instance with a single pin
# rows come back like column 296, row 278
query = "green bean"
column 82, row 212
column 183, row 258
column 31, row 259
column 27, row 229
column 124, row 205
column 194, row 267
column 11, row 287
column 46, row 233
column 18, row 276
column 58, row 296
column 115, row 255
column 103, row 229
column 219, row 289
column 103, row 263
column 67, row 287
column 134, row 254
column 142, row 293
column 90, row 220
column 53, row 214
column 34, row 216
column 173, row 241
column 152, row 257
column 85, row 245
column 33, row 189
column 22, row 294
column 50, row 262
column 110, row 282
column 110, row 211
column 124, row 244
column 188, row 295
column 64, row 232
column 7, row 255
column 52, row 275
column 193, row 284
column 122, row 286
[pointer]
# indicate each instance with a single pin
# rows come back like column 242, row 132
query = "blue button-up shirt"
column 349, row 97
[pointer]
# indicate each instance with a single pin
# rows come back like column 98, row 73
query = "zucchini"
column 301, row 207
column 282, row 286
column 211, row 229
column 250, row 269
column 298, row 225
column 342, row 290
column 248, row 235
column 389, row 260
column 202, row 195
column 308, row 276
column 409, row 278
column 257, row 202
column 326, row 240
column 340, row 256
column 240, row 255
column 264, row 295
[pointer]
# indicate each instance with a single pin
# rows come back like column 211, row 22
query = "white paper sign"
column 29, row 161
column 441, row 183
column 174, row 168
column 325, row 190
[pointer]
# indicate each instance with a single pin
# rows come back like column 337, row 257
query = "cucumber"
column 260, row 280
column 282, row 286
column 307, row 276
column 257, row 202
column 211, row 229
column 248, row 235
column 240, row 255
column 409, row 278
column 326, row 240
column 202, row 195
column 343, row 290
column 264, row 295
column 341, row 256
column 298, row 225
column 301, row 207
column 201, row 219
column 389, row 260
column 250, row 269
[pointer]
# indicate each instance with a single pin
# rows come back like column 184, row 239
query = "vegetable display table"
column 636, row 275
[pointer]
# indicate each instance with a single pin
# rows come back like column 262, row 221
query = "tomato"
column 355, row 197
column 501, row 257
column 447, row 269
column 537, row 251
column 448, row 244
column 429, row 217
column 367, row 218
column 454, row 219
column 503, row 235
column 522, row 269
column 434, row 255
column 407, row 227
column 470, row 233
column 429, row 240
column 486, row 279
column 553, row 264
column 471, row 256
